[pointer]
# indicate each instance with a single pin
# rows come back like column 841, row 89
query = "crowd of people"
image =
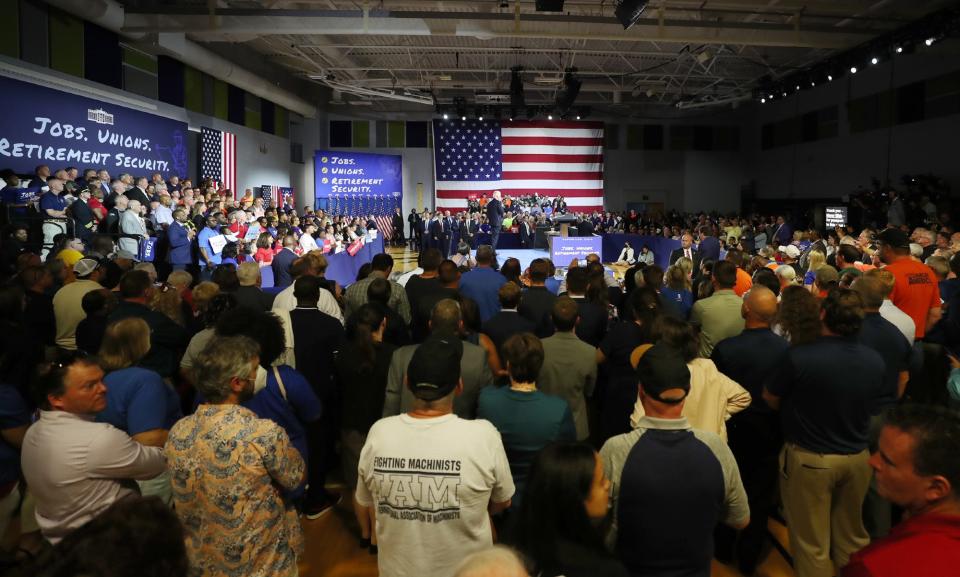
column 176, row 417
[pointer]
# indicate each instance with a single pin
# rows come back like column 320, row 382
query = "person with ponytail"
column 361, row 370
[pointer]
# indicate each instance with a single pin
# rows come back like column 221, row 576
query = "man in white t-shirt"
column 307, row 242
column 431, row 478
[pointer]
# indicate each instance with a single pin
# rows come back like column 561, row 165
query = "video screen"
column 836, row 216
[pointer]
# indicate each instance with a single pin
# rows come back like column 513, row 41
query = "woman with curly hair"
column 799, row 316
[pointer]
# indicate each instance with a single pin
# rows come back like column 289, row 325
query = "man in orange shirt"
column 915, row 289
column 744, row 282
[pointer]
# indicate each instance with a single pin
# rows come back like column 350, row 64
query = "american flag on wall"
column 518, row 158
column 218, row 157
column 273, row 193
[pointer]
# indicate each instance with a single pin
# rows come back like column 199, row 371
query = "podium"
column 565, row 220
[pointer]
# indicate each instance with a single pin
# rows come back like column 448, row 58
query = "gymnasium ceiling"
column 390, row 56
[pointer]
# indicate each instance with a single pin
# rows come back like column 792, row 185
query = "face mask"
column 261, row 382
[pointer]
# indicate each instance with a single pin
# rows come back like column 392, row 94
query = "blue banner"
column 564, row 249
column 47, row 126
column 352, row 178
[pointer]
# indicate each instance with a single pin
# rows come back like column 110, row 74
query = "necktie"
column 687, row 254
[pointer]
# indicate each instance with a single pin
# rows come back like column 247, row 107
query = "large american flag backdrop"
column 218, row 157
column 518, row 158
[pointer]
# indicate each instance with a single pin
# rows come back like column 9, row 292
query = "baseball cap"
column 790, row 250
column 894, row 237
column 434, row 370
column 662, row 368
column 126, row 254
column 85, row 266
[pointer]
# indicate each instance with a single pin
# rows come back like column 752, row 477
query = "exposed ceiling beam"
column 230, row 24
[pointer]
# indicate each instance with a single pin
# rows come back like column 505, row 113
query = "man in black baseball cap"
column 434, row 370
column 670, row 484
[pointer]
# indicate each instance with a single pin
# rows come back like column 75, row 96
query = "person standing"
column 495, row 218
column 414, row 220
column 482, row 283
column 53, row 209
column 227, row 466
column 719, row 314
column 827, row 392
column 459, row 466
column 664, row 515
column 915, row 289
column 68, row 300
column 132, row 228
column 180, row 238
column 76, row 467
column 915, row 467
column 208, row 259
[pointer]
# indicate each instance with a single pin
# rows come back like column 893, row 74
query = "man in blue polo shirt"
column 670, row 484
column 208, row 258
column 482, row 284
column 829, row 390
column 754, row 434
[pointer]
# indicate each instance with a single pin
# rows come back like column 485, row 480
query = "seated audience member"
column 236, row 520
column 508, row 321
column 134, row 536
column 283, row 395
column 68, row 301
column 536, row 305
column 754, row 435
column 445, row 320
column 380, row 267
column 829, row 390
column 569, row 365
column 627, row 256
column 916, row 468
column 429, row 438
column 139, row 403
column 249, row 293
column 496, row 561
column 565, row 500
column 712, row 397
column 97, row 304
column 482, row 283
column 75, row 467
column 665, row 515
column 167, row 338
column 528, row 420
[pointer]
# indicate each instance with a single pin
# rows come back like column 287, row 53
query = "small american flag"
column 519, row 158
column 271, row 193
column 218, row 157
column 383, row 216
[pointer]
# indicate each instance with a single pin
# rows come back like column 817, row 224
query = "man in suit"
column 585, row 227
column 282, row 261
column 537, row 302
column 495, row 218
column 569, row 364
column 508, row 321
column 435, row 232
column 139, row 192
column 446, row 233
column 468, row 228
column 593, row 319
column 397, row 223
column 445, row 320
column 526, row 232
column 414, row 220
column 709, row 246
column 686, row 250
column 180, row 238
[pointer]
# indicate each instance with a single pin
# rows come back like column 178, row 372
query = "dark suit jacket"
column 504, row 325
column 526, row 235
column 585, row 228
column 709, row 248
column 593, row 322
column 136, row 193
column 281, row 268
column 254, row 298
column 536, row 306
column 495, row 213
column 316, row 337
column 168, row 340
column 678, row 252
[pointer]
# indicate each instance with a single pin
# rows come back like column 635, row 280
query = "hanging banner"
column 47, row 126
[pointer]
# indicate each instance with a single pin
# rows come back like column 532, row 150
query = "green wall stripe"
column 192, row 89
column 66, row 42
column 281, row 120
column 140, row 60
column 251, row 119
column 10, row 39
column 396, row 134
column 220, row 99
column 361, row 134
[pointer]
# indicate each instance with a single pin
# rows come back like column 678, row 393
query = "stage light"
column 480, row 118
column 930, row 41
column 812, row 83
column 464, row 118
column 549, row 117
column 446, row 116
column 829, row 78
column 578, row 117
column 899, row 49
column 784, row 94
column 853, row 70
column 763, row 101
column 629, row 11
column 874, row 60
column 798, row 87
